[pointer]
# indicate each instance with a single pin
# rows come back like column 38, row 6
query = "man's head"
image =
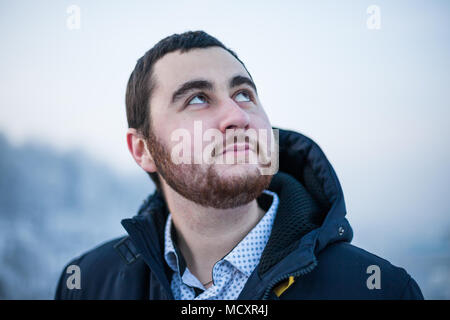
column 186, row 79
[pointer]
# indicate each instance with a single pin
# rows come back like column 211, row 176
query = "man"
column 218, row 229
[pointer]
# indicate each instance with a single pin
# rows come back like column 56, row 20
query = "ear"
column 139, row 150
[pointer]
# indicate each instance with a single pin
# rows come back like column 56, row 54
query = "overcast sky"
column 375, row 100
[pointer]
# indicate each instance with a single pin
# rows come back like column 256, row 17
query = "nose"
column 232, row 116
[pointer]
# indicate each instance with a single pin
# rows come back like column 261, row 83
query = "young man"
column 218, row 229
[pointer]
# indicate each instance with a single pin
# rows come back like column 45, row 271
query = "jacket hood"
column 312, row 210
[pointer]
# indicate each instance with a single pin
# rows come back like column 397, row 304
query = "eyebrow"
column 201, row 84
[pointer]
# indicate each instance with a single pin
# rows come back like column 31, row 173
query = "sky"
column 375, row 100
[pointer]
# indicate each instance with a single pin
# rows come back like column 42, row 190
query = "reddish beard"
column 202, row 184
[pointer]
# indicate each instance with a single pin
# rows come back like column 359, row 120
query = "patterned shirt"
column 229, row 274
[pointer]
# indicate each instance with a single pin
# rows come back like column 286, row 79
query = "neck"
column 205, row 235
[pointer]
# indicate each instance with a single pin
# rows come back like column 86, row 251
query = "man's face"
column 208, row 91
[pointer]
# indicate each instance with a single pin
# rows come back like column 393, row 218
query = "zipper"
column 285, row 277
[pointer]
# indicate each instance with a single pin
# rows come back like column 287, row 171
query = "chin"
column 237, row 170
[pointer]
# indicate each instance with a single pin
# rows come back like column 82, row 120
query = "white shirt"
column 229, row 274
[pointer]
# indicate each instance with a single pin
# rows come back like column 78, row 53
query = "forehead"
column 213, row 63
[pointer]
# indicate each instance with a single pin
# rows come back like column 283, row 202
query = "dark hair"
column 141, row 82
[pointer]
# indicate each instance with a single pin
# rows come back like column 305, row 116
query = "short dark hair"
column 141, row 82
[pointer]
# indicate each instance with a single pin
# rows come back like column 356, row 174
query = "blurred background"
column 367, row 80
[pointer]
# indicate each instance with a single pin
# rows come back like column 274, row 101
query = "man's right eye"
column 198, row 99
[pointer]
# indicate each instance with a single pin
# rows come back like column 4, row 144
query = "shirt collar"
column 171, row 253
column 246, row 255
column 241, row 257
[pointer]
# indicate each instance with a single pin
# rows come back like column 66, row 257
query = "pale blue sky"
column 376, row 101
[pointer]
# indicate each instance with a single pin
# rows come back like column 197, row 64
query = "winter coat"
column 308, row 255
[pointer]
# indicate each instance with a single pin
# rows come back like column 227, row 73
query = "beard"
column 203, row 184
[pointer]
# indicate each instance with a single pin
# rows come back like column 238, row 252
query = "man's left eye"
column 243, row 97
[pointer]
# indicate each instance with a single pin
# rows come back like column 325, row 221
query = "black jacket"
column 308, row 255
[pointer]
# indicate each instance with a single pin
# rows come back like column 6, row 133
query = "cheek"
column 261, row 121
column 262, row 125
column 184, row 139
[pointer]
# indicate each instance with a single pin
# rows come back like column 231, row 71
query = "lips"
column 237, row 147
